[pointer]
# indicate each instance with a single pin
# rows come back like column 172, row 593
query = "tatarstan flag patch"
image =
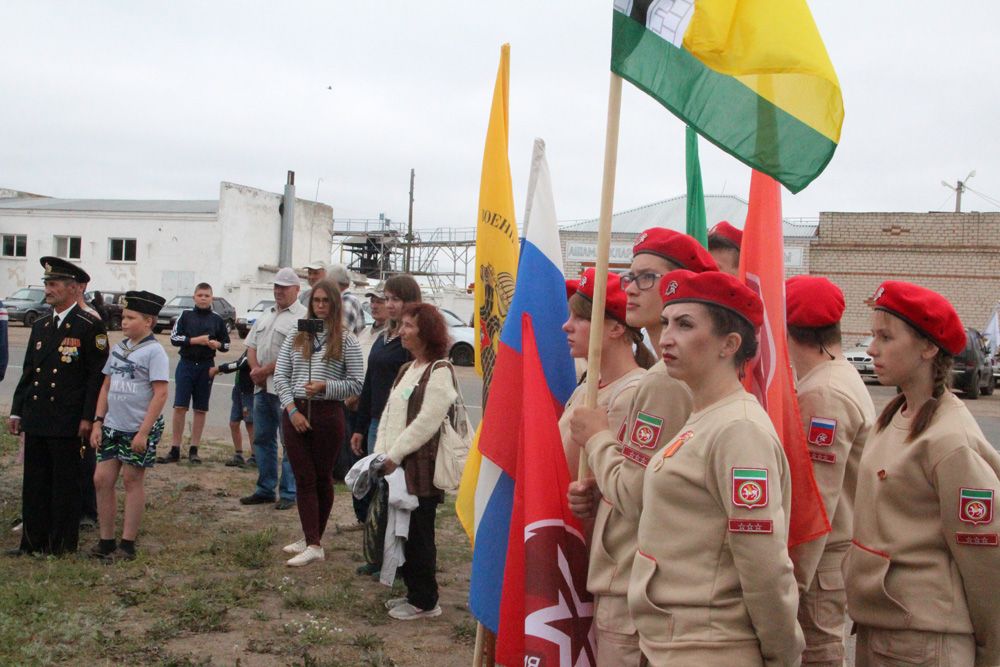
column 646, row 430
column 975, row 506
column 750, row 487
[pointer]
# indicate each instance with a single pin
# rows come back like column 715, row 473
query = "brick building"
column 956, row 254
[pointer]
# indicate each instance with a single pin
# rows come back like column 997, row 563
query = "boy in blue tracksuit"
column 199, row 333
column 242, row 410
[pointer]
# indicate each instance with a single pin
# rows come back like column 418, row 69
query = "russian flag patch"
column 822, row 431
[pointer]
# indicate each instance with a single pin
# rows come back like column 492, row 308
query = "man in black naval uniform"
column 53, row 405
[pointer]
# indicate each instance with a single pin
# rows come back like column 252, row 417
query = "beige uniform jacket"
column 712, row 573
column 614, row 398
column 838, row 415
column 659, row 408
column 926, row 551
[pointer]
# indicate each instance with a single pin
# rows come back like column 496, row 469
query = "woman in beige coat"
column 924, row 565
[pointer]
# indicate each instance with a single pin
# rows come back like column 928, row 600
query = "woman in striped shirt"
column 314, row 373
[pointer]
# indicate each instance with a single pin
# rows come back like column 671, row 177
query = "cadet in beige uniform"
column 712, row 582
column 924, row 565
column 837, row 414
column 624, row 358
column 621, row 451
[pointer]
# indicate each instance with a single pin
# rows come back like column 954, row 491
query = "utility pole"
column 409, row 230
column 959, row 188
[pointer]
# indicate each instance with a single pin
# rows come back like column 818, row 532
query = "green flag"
column 697, row 228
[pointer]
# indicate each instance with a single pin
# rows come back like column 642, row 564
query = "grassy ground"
column 210, row 587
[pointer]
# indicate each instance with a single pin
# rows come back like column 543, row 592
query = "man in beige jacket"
column 837, row 414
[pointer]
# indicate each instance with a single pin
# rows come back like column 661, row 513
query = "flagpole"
column 603, row 249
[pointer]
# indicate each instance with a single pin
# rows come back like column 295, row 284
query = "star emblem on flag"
column 566, row 623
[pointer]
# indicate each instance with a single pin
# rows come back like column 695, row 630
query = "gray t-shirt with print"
column 132, row 369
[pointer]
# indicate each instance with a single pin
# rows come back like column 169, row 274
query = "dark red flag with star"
column 546, row 612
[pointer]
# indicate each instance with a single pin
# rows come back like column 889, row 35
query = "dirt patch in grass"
column 210, row 586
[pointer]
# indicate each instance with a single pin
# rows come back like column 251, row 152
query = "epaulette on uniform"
column 92, row 319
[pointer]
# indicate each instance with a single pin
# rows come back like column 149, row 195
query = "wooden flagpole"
column 603, row 250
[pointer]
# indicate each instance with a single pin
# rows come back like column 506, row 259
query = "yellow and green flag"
column 751, row 76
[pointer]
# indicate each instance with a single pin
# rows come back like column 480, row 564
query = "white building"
column 579, row 239
column 164, row 246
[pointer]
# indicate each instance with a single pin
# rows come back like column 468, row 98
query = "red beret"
column 812, row 301
column 679, row 248
column 925, row 310
column 725, row 231
column 571, row 285
column 614, row 301
column 715, row 288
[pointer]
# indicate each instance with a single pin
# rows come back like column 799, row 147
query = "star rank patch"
column 750, row 487
column 635, row 455
column 822, row 431
column 646, row 430
column 975, row 506
column 977, row 539
column 758, row 527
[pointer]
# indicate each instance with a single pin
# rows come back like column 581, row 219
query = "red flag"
column 769, row 375
column 545, row 616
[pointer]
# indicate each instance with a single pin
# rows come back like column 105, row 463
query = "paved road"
column 217, row 424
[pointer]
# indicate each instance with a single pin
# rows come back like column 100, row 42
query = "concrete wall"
column 175, row 251
column 955, row 254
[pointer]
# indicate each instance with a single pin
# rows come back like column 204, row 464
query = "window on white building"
column 67, row 247
column 15, row 245
column 121, row 250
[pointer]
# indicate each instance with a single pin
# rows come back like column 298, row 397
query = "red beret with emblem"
column 812, row 301
column 679, row 248
column 713, row 288
column 615, row 299
column 726, row 232
column 571, row 286
column 925, row 310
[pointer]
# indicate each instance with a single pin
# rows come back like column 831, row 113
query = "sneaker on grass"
column 295, row 547
column 407, row 612
column 310, row 554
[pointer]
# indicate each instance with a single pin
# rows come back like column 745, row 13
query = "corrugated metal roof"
column 114, row 205
column 672, row 214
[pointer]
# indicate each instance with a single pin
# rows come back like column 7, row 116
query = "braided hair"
column 941, row 377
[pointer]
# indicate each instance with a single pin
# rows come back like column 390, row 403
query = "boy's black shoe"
column 236, row 462
column 254, row 499
column 103, row 549
column 126, row 550
column 252, row 461
column 173, row 457
column 193, row 455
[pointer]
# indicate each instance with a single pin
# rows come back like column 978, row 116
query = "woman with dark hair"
column 923, row 568
column 712, row 582
column 314, row 373
column 624, row 356
column 421, row 396
column 385, row 358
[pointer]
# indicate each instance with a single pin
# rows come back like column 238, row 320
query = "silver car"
column 860, row 359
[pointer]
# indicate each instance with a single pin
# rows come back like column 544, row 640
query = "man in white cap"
column 315, row 272
column 354, row 317
column 263, row 343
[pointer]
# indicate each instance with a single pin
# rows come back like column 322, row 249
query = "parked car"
column 244, row 324
column 173, row 309
column 463, row 342
column 27, row 304
column 113, row 303
column 859, row 358
column 972, row 373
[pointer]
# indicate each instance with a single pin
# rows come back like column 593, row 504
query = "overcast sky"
column 138, row 100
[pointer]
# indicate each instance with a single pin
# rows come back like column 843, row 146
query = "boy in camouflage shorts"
column 129, row 406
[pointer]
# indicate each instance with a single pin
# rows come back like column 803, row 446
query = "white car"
column 463, row 341
column 859, row 358
column 244, row 324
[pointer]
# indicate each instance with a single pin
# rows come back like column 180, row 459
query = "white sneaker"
column 310, row 554
column 407, row 612
column 295, row 547
column 392, row 603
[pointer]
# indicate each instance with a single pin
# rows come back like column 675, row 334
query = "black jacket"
column 242, row 369
column 199, row 322
column 58, row 388
column 384, row 361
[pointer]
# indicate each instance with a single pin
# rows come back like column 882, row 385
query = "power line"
column 983, row 196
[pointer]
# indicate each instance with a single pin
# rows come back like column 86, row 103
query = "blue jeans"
column 372, row 435
column 267, row 421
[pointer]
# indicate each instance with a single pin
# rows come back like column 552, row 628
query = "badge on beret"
column 642, row 237
column 975, row 506
column 822, row 431
column 750, row 487
column 646, row 430
column 101, row 342
column 878, row 293
column 48, row 268
column 671, row 288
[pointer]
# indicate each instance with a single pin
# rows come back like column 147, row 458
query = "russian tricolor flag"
column 540, row 294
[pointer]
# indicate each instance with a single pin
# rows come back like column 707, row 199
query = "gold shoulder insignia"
column 101, row 341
